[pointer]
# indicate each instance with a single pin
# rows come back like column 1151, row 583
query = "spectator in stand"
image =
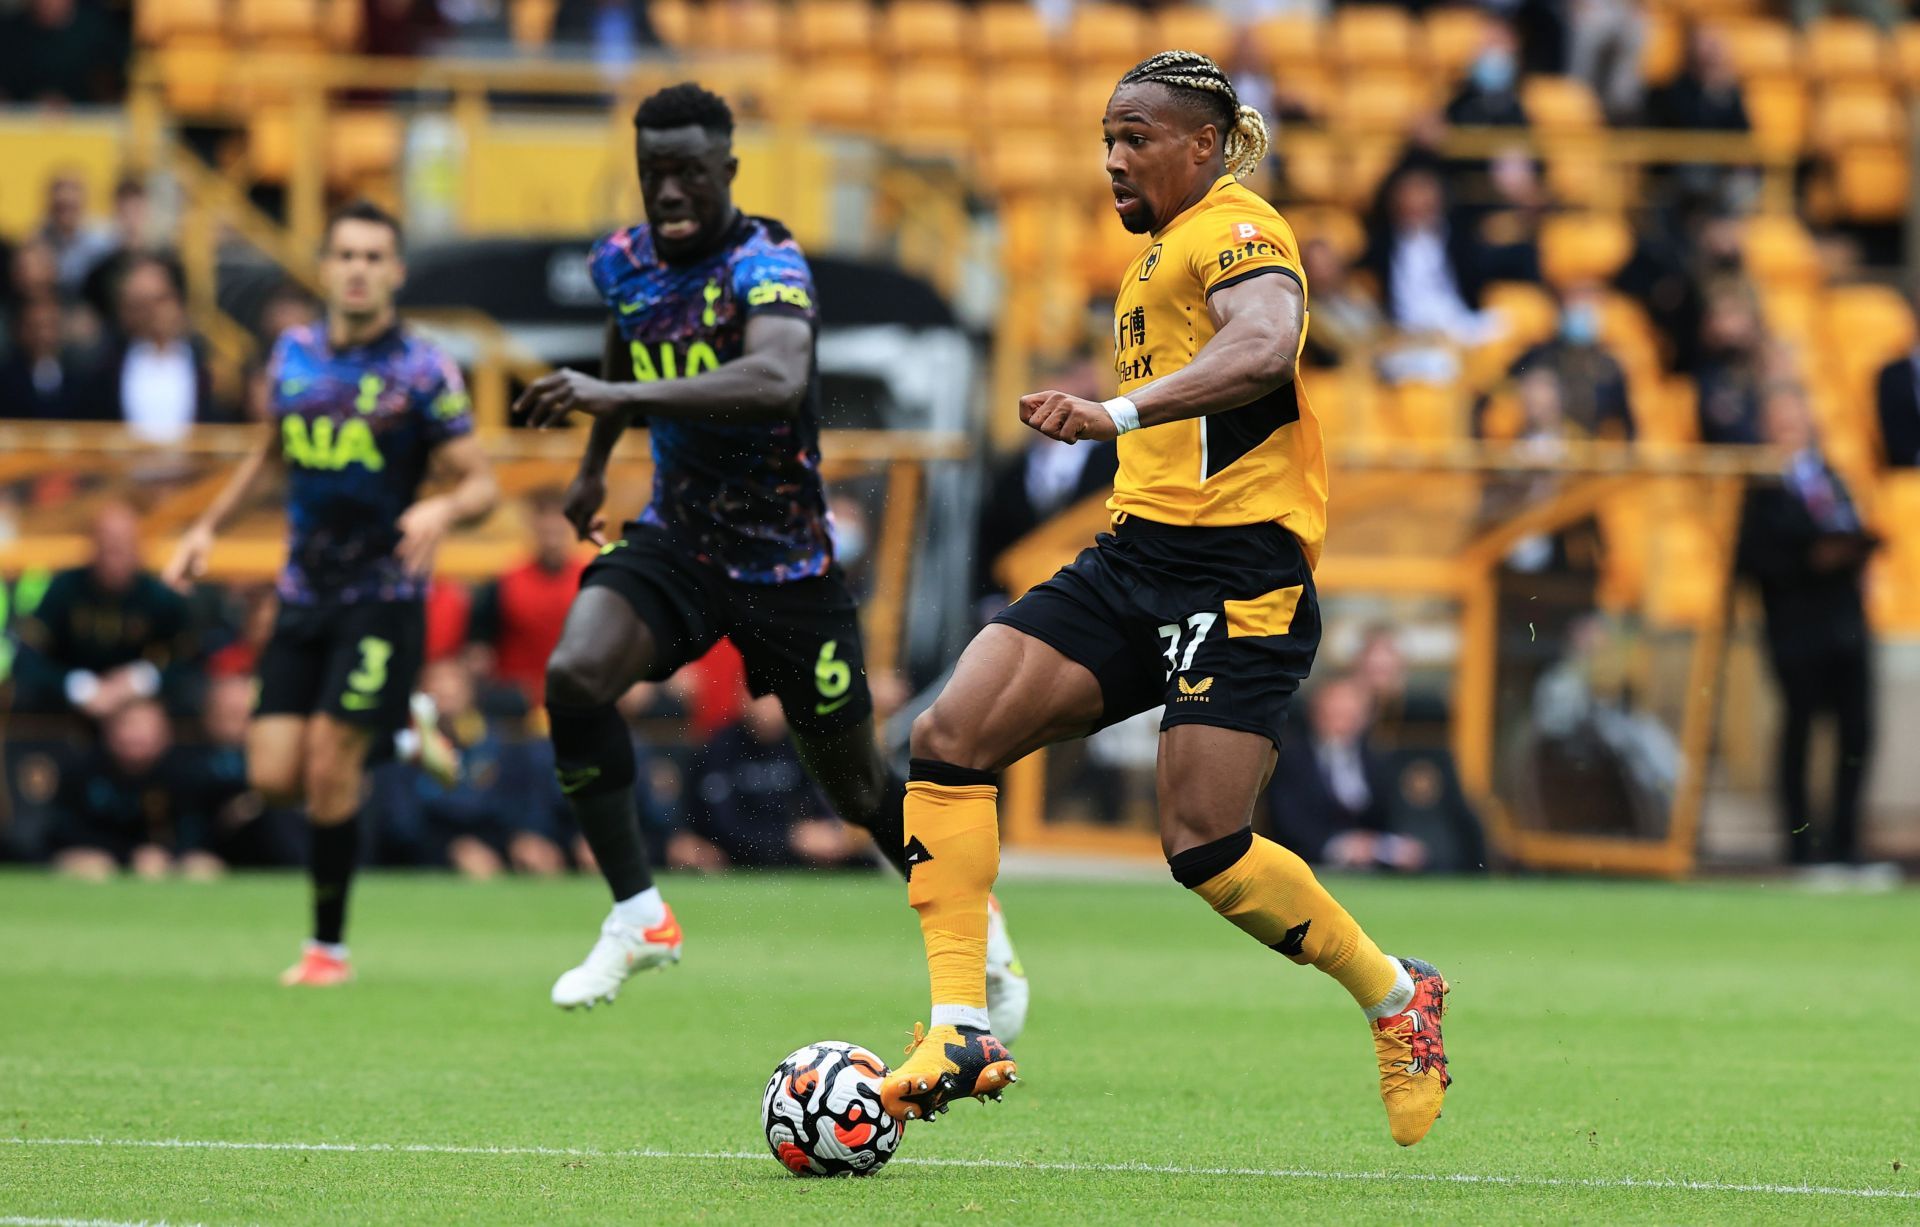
column 1043, row 479
column 516, row 618
column 156, row 379
column 288, row 305
column 1490, row 98
column 78, row 242
column 1898, row 402
column 229, row 819
column 123, row 807
column 1803, row 543
column 1604, row 39
column 132, row 236
column 1706, row 94
column 1593, row 389
column 1730, row 366
column 1329, row 798
column 33, row 271
column 750, row 800
column 1403, row 715
column 1345, row 322
column 61, row 52
column 39, row 378
column 107, row 634
column 1428, row 270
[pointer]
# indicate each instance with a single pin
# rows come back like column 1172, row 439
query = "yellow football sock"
column 1274, row 897
column 950, row 874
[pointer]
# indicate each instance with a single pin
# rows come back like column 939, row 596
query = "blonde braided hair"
column 1245, row 142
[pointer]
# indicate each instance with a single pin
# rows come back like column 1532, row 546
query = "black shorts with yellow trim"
column 1218, row 624
column 356, row 661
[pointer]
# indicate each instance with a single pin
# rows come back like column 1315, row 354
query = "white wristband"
column 81, row 686
column 1121, row 410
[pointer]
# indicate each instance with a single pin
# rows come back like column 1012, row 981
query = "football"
column 822, row 1112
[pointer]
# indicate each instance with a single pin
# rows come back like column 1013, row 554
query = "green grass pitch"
column 1623, row 1053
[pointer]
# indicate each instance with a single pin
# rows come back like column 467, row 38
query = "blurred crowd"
column 127, row 708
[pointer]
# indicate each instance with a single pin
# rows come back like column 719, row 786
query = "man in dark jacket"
column 1898, row 402
column 1804, row 545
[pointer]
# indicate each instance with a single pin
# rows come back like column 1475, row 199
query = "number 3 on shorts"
column 831, row 677
column 365, row 683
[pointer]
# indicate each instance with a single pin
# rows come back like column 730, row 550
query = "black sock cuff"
column 933, row 771
column 1197, row 865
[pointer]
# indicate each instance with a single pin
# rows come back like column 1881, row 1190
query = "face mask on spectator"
column 1493, row 72
column 1580, row 324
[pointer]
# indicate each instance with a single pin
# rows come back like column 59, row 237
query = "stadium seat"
column 745, row 27
column 1857, row 113
column 1583, row 247
column 362, row 143
column 278, row 23
column 1453, row 36
column 1423, row 413
column 269, row 144
column 1108, row 38
column 1580, row 176
column 1026, row 96
column 1528, row 311
column 1560, row 104
column 1844, row 49
column 923, row 30
column 1023, row 162
column 1894, row 581
column 1010, row 34
column 1310, row 164
column 676, row 22
column 841, row 28
column 1626, row 330
column 1375, row 35
column 1668, row 413
column 341, row 24
column 1085, row 101
column 1311, row 86
column 1663, row 51
column 930, row 109
column 530, row 22
column 1777, row 108
column 1195, row 27
column 1867, row 325
column 1777, row 250
column 1761, row 46
column 1906, row 56
column 1340, row 228
column 157, row 23
column 1791, row 312
column 1381, row 100
column 1285, row 44
column 842, row 95
column 1870, row 183
column 193, row 72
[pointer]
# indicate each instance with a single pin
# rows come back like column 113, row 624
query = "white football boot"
column 1006, row 979
column 621, row 951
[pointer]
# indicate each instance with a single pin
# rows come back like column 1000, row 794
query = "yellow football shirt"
column 1260, row 463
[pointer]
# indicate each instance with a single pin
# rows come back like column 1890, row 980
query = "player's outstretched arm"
column 195, row 547
column 1258, row 323
column 768, row 379
column 474, row 493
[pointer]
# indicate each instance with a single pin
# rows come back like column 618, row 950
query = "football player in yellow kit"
column 1200, row 599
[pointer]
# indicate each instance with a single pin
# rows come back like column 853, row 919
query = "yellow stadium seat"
column 1777, row 108
column 923, row 29
column 747, row 27
column 341, row 23
column 1364, row 165
column 158, row 22
column 675, row 22
column 1023, row 162
column 1845, row 49
column 1626, row 330
column 1858, row 113
column 1311, row 162
column 1195, row 27
column 1687, row 572
column 1668, row 412
column 278, row 22
column 1870, row 182
column 930, row 108
column 269, row 144
column 1107, row 252
column 1560, row 104
column 1777, row 250
column 1579, row 175
column 1109, row 37
column 530, row 22
column 1761, row 46
column 1340, row 228
column 1663, row 50
column 1906, row 55
column 1894, row 582
column 1453, row 37
column 1868, row 325
column 1311, row 86
column 1027, row 95
column 1284, row 44
column 1791, row 312
column 1369, row 35
column 1528, row 312
column 1086, row 101
column 1583, row 247
column 193, row 72
column 1424, row 413
column 842, row 95
column 831, row 28
column 1381, row 99
column 1010, row 33
column 361, row 143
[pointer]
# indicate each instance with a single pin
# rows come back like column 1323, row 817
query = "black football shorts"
column 800, row 640
column 353, row 660
column 1218, row 624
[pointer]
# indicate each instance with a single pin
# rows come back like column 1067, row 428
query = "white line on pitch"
column 16, row 1220
column 1152, row 1169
